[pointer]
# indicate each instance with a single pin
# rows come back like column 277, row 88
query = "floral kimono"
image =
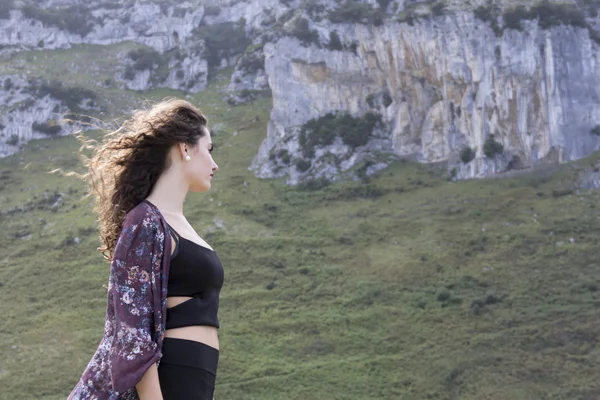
column 136, row 309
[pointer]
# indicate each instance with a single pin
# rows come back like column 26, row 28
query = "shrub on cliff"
column 145, row 58
column 301, row 30
column 548, row 14
column 334, row 41
column 467, row 154
column 491, row 147
column 73, row 97
column 49, row 128
column 250, row 63
column 354, row 132
column 223, row 40
column 596, row 130
column 357, row 12
column 74, row 19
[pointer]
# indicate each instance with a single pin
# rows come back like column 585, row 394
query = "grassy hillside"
column 405, row 286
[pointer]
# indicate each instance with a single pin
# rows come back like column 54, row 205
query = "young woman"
column 160, row 334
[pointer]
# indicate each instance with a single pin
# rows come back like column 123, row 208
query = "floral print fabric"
column 136, row 309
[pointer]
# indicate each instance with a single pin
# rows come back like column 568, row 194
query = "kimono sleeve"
column 132, row 285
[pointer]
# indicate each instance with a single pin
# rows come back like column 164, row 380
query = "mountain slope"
column 400, row 286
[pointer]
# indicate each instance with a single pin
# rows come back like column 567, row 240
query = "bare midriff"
column 202, row 333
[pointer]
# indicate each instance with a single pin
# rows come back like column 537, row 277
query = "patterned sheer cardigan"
column 136, row 309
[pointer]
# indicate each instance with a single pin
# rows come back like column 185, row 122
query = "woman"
column 160, row 335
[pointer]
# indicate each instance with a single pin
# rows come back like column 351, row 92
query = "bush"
column 370, row 99
column 302, row 32
column 302, row 165
column 383, row 4
column 49, row 128
column 512, row 17
column 467, row 154
column 146, row 58
column 314, row 9
column 72, row 97
column 322, row 131
column 8, row 84
column 212, row 10
column 223, row 40
column 334, row 42
column 596, row 130
column 284, row 156
column 13, row 140
column 129, row 73
column 384, row 98
column 314, row 184
column 438, row 9
column 74, row 19
column 548, row 14
column 491, row 147
column 357, row 12
column 387, row 98
column 486, row 13
column 250, row 63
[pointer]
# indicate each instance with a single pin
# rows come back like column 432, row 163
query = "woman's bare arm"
column 148, row 387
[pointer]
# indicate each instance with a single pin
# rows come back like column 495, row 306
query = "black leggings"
column 187, row 370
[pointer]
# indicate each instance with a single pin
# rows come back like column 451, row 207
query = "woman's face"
column 201, row 166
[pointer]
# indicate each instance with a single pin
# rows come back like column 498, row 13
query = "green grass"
column 402, row 286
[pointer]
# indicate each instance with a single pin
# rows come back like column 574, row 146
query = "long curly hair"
column 123, row 169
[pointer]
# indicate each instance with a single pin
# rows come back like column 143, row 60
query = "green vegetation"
column 145, row 58
column 282, row 156
column 387, row 98
column 212, row 10
column 252, row 61
column 49, row 128
column 71, row 96
column 327, row 280
column 383, row 4
column 334, row 42
column 355, row 11
column 491, row 147
column 314, row 9
column 403, row 287
column 302, row 165
column 8, row 84
column 223, row 40
column 438, row 9
column 596, row 130
column 13, row 140
column 467, row 154
column 302, row 32
column 75, row 19
column 383, row 98
column 548, row 14
column 322, row 131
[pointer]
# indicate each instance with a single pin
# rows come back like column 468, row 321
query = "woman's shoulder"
column 144, row 213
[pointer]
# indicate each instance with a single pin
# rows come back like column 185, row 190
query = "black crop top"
column 195, row 271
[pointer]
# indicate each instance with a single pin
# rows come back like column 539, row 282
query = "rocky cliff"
column 483, row 88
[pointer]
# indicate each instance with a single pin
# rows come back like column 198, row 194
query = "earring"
column 187, row 158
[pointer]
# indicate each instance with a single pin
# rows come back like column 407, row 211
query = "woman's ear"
column 183, row 150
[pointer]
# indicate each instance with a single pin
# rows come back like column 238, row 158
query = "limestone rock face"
column 441, row 85
column 21, row 113
column 451, row 83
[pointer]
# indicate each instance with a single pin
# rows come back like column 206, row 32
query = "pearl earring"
column 187, row 158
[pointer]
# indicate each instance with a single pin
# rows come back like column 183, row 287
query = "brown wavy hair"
column 125, row 166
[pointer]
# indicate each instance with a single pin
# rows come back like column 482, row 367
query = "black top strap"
column 175, row 237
